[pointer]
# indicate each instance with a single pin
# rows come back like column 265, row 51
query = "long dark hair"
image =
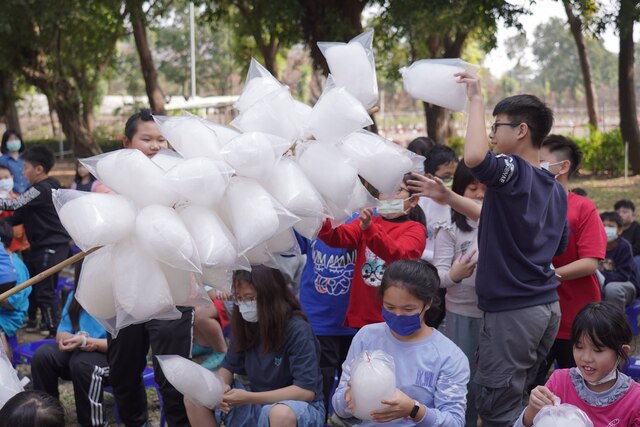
column 461, row 180
column 32, row 408
column 276, row 305
column 78, row 179
column 5, row 137
column 418, row 277
column 74, row 311
column 605, row 325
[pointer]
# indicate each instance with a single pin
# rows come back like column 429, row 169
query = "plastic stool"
column 633, row 368
column 149, row 381
column 633, row 311
column 23, row 353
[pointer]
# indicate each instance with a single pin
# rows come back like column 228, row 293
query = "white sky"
column 542, row 11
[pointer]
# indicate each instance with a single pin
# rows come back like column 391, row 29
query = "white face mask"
column 610, row 376
column 391, row 206
column 6, row 184
column 249, row 310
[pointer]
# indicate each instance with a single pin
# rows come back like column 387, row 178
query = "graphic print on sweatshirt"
column 372, row 269
column 333, row 272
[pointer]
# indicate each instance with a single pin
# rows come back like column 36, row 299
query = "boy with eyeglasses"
column 522, row 227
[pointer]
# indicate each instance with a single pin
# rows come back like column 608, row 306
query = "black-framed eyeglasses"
column 495, row 125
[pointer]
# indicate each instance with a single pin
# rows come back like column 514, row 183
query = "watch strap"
column 416, row 408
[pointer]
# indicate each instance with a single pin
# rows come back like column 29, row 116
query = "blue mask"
column 14, row 145
column 402, row 325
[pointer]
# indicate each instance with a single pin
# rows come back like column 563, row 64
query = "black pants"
column 127, row 356
column 333, row 352
column 43, row 294
column 86, row 369
column 562, row 352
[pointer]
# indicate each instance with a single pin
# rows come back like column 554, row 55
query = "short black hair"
column 461, row 180
column 624, row 203
column 528, row 109
column 39, row 155
column 605, row 325
column 579, row 191
column 6, row 233
column 612, row 216
column 32, row 408
column 131, row 127
column 422, row 145
column 438, row 156
column 566, row 149
column 5, row 137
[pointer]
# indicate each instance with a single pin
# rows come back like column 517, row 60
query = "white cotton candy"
column 199, row 180
column 309, row 227
column 373, row 379
column 289, row 185
column 130, row 173
column 10, row 384
column 352, row 66
column 140, row 288
column 561, row 415
column 95, row 219
column 337, row 114
column 434, row 81
column 250, row 212
column 165, row 159
column 382, row 163
column 224, row 133
column 258, row 255
column 218, row 278
column 216, row 245
column 189, row 136
column 329, row 171
column 163, row 234
column 198, row 384
column 274, row 114
column 95, row 287
column 256, row 89
column 185, row 286
column 254, row 154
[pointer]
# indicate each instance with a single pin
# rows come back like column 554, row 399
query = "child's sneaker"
column 214, row 361
column 200, row 350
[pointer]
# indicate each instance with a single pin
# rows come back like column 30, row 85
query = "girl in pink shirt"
column 601, row 335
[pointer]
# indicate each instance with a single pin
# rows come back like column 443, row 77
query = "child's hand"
column 347, row 397
column 540, row 396
column 400, row 405
column 463, row 267
column 236, row 397
column 365, row 218
column 472, row 80
column 70, row 344
column 428, row 186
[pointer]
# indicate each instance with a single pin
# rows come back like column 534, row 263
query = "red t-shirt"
column 382, row 243
column 587, row 239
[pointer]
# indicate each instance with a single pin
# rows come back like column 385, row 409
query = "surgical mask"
column 249, row 310
column 14, row 145
column 610, row 376
column 612, row 233
column 402, row 325
column 448, row 182
column 390, row 206
column 6, row 184
column 547, row 165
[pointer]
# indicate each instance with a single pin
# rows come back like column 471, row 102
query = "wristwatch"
column 416, row 408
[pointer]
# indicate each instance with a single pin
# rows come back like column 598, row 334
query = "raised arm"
column 475, row 145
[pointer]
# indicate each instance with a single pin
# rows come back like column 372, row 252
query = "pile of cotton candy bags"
column 229, row 198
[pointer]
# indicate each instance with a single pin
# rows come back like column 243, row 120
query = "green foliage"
column 456, row 142
column 603, row 152
column 53, row 144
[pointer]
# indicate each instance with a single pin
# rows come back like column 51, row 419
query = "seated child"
column 630, row 228
column 30, row 409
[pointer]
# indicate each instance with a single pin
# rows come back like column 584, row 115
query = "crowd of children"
column 476, row 277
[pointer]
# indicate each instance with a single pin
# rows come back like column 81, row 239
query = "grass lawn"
column 605, row 192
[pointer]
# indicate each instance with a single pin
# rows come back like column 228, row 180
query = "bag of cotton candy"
column 373, row 379
column 10, row 385
column 561, row 415
column 198, row 384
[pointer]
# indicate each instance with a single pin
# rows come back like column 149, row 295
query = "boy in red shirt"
column 576, row 267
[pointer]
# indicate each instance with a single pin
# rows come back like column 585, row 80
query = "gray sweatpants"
column 512, row 346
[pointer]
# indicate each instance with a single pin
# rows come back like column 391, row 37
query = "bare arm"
column 433, row 187
column 475, row 145
column 576, row 269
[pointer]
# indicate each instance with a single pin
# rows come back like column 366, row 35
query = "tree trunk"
column 575, row 24
column 437, row 122
column 626, row 94
column 269, row 54
column 154, row 92
column 7, row 94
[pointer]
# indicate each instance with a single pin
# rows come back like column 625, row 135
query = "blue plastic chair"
column 149, row 381
column 633, row 368
column 23, row 353
column 633, row 311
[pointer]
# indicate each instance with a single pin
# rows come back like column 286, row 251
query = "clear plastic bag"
column 381, row 162
column 224, row 133
column 433, row 81
column 90, row 218
column 189, row 136
column 219, row 278
column 95, row 286
column 140, row 288
column 373, row 379
column 186, row 287
column 309, row 227
column 337, row 114
column 198, row 384
column 254, row 154
column 199, row 180
column 130, row 173
column 258, row 84
column 561, row 415
column 269, row 253
column 353, row 67
column 162, row 233
column 216, row 244
column 165, row 159
column 10, row 385
column 252, row 214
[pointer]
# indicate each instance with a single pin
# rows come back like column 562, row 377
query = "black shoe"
column 32, row 326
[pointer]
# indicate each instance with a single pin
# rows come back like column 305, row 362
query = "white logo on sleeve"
column 508, row 170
